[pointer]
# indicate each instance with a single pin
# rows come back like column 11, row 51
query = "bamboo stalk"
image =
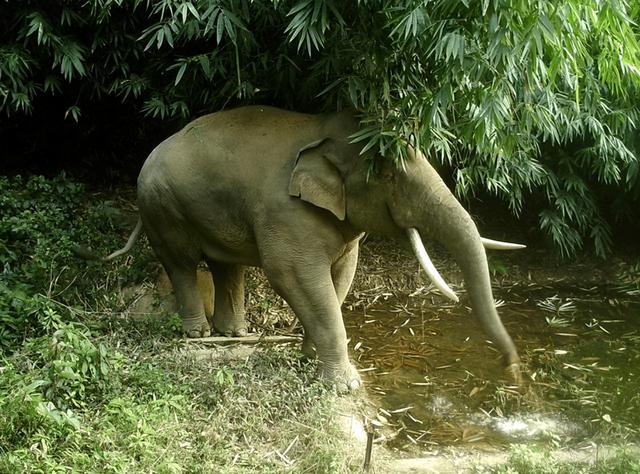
column 223, row 340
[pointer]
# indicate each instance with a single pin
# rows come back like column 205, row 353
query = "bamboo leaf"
column 181, row 70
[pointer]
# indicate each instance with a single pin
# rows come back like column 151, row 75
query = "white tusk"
column 497, row 245
column 425, row 261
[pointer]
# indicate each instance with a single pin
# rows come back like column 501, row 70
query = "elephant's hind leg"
column 173, row 243
column 190, row 304
column 228, row 313
column 180, row 260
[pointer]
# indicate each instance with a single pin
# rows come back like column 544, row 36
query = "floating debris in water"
column 555, row 304
column 439, row 383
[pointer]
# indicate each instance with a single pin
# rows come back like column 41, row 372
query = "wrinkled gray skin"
column 258, row 186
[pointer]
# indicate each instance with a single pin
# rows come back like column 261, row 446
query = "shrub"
column 26, row 414
column 532, row 101
column 73, row 368
column 41, row 283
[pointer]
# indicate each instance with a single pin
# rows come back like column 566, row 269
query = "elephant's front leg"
column 342, row 273
column 229, row 312
column 309, row 290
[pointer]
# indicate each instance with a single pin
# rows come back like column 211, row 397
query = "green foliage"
column 30, row 250
column 498, row 267
column 524, row 460
column 74, row 368
column 164, row 413
column 39, row 226
column 41, row 283
column 533, row 101
column 522, row 98
column 223, row 377
column 26, row 414
column 23, row 315
column 43, row 386
column 28, row 210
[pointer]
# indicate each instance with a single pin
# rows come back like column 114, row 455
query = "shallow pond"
column 437, row 381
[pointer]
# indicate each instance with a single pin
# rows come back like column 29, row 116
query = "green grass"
column 85, row 389
column 524, row 460
column 165, row 411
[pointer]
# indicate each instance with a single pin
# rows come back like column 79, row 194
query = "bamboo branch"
column 223, row 340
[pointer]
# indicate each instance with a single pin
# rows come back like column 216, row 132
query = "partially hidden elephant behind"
column 288, row 192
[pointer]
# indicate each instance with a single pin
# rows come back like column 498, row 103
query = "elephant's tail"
column 85, row 253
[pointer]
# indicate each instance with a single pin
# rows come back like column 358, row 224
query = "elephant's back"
column 252, row 138
column 252, row 123
column 228, row 163
column 237, row 141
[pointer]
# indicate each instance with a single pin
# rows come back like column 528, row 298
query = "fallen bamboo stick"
column 223, row 340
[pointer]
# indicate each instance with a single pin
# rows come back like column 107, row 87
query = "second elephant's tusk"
column 497, row 245
column 429, row 268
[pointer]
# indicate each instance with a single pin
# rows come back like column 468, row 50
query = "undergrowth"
column 524, row 460
column 167, row 412
column 85, row 389
column 41, row 282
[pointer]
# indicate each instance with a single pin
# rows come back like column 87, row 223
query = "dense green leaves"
column 42, row 284
column 310, row 22
column 532, row 101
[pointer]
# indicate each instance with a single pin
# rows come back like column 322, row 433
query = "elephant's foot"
column 344, row 377
column 198, row 328
column 230, row 327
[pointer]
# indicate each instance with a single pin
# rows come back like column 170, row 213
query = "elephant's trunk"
column 468, row 251
column 442, row 217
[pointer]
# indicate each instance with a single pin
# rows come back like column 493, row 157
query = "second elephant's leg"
column 229, row 312
column 344, row 269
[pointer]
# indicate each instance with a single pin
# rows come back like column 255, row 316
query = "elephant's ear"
column 316, row 180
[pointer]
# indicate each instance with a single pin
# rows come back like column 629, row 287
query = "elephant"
column 292, row 194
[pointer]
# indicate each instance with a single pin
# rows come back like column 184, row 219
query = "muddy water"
column 437, row 381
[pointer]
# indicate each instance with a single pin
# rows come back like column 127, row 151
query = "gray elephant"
column 288, row 192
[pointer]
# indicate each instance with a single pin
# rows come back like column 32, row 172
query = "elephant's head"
column 402, row 203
